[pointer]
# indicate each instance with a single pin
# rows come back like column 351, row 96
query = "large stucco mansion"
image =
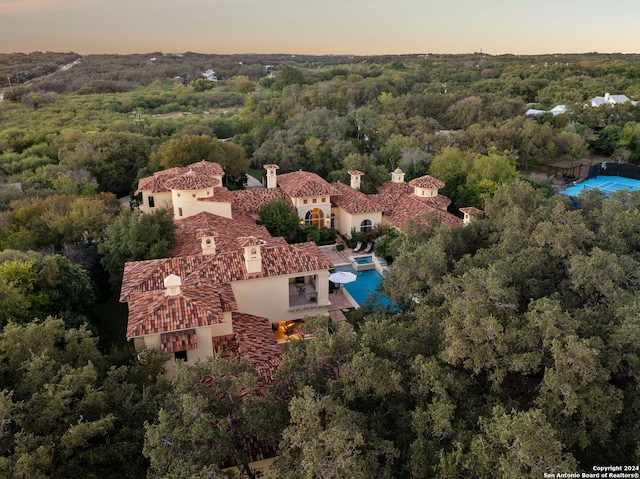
column 229, row 284
column 228, row 280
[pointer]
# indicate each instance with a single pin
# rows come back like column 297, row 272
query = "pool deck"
column 339, row 300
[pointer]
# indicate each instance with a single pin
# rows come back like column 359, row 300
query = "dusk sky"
column 320, row 26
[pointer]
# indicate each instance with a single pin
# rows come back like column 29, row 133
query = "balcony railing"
column 303, row 299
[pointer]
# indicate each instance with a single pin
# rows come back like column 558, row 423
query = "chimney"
column 172, row 283
column 252, row 254
column 272, row 180
column 355, row 178
column 397, row 175
column 208, row 245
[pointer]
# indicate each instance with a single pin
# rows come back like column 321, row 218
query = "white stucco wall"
column 346, row 222
column 269, row 297
column 159, row 201
column 187, row 203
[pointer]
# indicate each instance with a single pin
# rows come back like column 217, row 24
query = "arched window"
column 365, row 226
column 314, row 217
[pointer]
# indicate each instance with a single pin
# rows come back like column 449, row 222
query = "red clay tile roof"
column 179, row 341
column 271, row 166
column 156, row 183
column 401, row 206
column 471, row 210
column 227, row 267
column 355, row 172
column 253, row 340
column 427, row 181
column 246, row 241
column 191, row 181
column 250, row 202
column 410, row 208
column 207, row 168
column 225, row 231
column 152, row 311
column 302, row 183
column 353, row 201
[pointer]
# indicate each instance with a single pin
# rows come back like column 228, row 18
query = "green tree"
column 113, row 158
column 281, row 219
column 47, row 286
column 209, row 416
column 135, row 237
column 288, row 75
column 326, row 439
column 185, row 151
column 65, row 411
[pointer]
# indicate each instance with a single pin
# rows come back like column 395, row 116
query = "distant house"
column 609, row 99
column 210, row 75
column 556, row 110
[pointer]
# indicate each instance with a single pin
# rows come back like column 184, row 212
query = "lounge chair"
column 368, row 248
column 358, row 247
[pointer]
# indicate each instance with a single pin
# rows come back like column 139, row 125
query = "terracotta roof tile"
column 471, row 210
column 246, row 241
column 209, row 168
column 152, row 311
column 156, row 183
column 250, row 202
column 277, row 260
column 302, row 183
column 353, row 201
column 225, row 231
column 191, row 180
column 427, row 181
column 179, row 341
column 253, row 340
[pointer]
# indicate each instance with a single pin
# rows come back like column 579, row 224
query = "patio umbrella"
column 342, row 277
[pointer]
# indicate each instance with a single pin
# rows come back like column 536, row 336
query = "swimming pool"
column 363, row 259
column 364, row 286
column 606, row 184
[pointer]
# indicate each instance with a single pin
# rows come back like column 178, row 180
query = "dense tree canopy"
column 511, row 351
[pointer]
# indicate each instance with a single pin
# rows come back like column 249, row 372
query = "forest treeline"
column 512, row 350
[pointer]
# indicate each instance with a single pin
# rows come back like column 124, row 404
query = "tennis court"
column 606, row 184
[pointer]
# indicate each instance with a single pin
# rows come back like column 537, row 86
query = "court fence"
column 614, row 169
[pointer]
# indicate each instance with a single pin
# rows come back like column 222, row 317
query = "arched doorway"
column 315, row 217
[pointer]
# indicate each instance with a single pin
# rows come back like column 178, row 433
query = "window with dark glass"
column 365, row 226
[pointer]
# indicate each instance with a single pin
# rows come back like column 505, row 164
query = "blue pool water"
column 365, row 286
column 606, row 184
column 363, row 259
